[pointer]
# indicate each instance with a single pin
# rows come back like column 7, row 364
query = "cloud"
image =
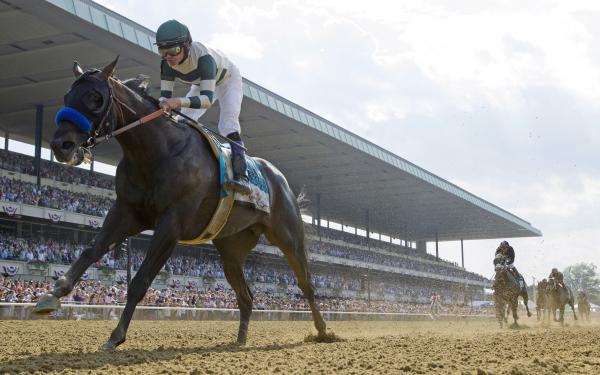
column 238, row 45
column 500, row 97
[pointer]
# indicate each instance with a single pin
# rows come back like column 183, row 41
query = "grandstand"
column 48, row 212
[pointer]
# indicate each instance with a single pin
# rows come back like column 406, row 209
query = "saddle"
column 259, row 197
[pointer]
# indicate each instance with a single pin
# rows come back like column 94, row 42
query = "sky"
column 501, row 98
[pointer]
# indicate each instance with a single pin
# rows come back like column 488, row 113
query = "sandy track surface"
column 160, row 347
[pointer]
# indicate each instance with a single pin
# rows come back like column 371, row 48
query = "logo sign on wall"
column 10, row 270
column 59, row 274
column 94, row 223
column 55, row 216
column 85, row 276
column 10, row 209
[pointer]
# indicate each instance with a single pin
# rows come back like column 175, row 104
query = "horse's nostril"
column 67, row 145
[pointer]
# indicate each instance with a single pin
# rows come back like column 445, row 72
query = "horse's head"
column 500, row 272
column 87, row 113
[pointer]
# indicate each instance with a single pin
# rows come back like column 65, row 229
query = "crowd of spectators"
column 13, row 190
column 63, row 252
column 373, row 242
column 95, row 293
column 206, row 263
column 400, row 261
column 12, row 161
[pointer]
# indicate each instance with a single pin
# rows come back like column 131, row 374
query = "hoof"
column 529, row 314
column 46, row 305
column 110, row 345
column 239, row 344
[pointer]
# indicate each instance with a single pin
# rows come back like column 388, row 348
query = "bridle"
column 104, row 128
column 98, row 138
column 101, row 129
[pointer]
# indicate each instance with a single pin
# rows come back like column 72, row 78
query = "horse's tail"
column 304, row 205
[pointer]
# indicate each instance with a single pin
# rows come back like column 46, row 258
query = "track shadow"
column 518, row 327
column 47, row 362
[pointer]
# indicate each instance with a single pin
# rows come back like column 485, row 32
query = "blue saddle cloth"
column 260, row 196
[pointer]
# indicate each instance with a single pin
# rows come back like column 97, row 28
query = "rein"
column 70, row 114
column 92, row 141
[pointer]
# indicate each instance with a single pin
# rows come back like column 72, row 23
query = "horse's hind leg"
column 290, row 240
column 234, row 250
column 525, row 301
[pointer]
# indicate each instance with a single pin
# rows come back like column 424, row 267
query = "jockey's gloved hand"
column 170, row 104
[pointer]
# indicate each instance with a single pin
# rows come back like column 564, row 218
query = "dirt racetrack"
column 184, row 347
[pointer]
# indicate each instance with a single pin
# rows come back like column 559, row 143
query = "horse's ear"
column 77, row 71
column 108, row 70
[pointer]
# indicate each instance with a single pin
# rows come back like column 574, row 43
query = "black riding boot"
column 240, row 183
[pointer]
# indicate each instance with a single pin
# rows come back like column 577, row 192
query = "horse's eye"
column 93, row 100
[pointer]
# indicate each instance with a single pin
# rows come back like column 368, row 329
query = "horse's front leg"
column 513, row 306
column 166, row 235
column 119, row 224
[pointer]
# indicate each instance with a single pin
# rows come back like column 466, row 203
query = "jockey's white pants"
column 229, row 94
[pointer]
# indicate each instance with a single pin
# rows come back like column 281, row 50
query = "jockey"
column 508, row 254
column 211, row 77
column 557, row 276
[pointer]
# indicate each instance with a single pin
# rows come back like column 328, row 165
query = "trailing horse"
column 540, row 301
column 168, row 181
column 558, row 296
column 584, row 307
column 507, row 290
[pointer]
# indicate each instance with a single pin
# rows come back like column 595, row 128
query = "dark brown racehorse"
column 506, row 294
column 557, row 297
column 540, row 301
column 584, row 307
column 168, row 181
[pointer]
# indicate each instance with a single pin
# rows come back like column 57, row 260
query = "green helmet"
column 172, row 33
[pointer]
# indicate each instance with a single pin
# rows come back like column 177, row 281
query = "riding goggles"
column 170, row 51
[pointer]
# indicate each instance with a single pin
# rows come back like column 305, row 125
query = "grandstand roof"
column 40, row 39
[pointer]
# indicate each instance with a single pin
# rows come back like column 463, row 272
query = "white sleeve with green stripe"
column 204, row 76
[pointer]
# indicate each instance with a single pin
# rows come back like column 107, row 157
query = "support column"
column 367, row 221
column 318, row 202
column 6, row 138
column 92, row 167
column 462, row 253
column 128, row 261
column 533, row 288
column 421, row 246
column 39, row 123
column 437, row 254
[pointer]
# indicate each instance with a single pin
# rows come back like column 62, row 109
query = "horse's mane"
column 139, row 84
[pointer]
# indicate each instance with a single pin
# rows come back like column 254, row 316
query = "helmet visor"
column 170, row 51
